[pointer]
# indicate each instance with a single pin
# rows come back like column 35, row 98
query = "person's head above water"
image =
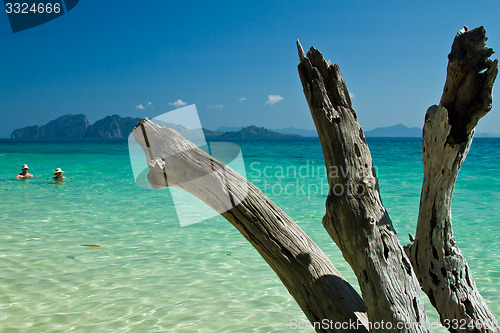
column 24, row 174
column 58, row 172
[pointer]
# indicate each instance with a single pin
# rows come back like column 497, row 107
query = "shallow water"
column 151, row 275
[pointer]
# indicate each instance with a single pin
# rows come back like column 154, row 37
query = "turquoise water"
column 151, row 275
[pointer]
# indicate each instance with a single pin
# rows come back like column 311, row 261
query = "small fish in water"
column 91, row 245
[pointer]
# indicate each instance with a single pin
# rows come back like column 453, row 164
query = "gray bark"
column 310, row 277
column 355, row 217
column 439, row 264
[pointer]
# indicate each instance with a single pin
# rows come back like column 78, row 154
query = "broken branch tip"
column 302, row 55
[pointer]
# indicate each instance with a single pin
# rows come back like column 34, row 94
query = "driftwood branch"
column 439, row 264
column 319, row 289
column 355, row 217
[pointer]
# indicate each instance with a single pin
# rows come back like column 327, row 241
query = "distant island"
column 247, row 132
column 78, row 126
column 115, row 126
column 398, row 130
column 288, row 130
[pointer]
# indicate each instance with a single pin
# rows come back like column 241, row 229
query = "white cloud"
column 352, row 95
column 273, row 99
column 178, row 103
column 148, row 105
column 242, row 99
column 217, row 106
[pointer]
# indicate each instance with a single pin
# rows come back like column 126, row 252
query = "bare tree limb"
column 439, row 264
column 355, row 217
column 319, row 289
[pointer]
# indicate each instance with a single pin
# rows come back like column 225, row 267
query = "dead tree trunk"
column 440, row 266
column 319, row 289
column 355, row 217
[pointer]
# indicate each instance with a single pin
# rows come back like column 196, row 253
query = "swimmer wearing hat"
column 58, row 175
column 24, row 174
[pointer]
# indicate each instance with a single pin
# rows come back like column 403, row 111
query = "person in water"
column 58, row 175
column 24, row 174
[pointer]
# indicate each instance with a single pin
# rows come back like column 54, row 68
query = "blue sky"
column 108, row 57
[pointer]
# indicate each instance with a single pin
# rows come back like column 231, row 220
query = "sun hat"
column 58, row 170
column 25, row 166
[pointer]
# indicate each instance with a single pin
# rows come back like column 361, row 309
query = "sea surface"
column 151, row 275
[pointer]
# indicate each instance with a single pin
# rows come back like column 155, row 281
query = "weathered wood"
column 319, row 289
column 355, row 217
column 439, row 264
